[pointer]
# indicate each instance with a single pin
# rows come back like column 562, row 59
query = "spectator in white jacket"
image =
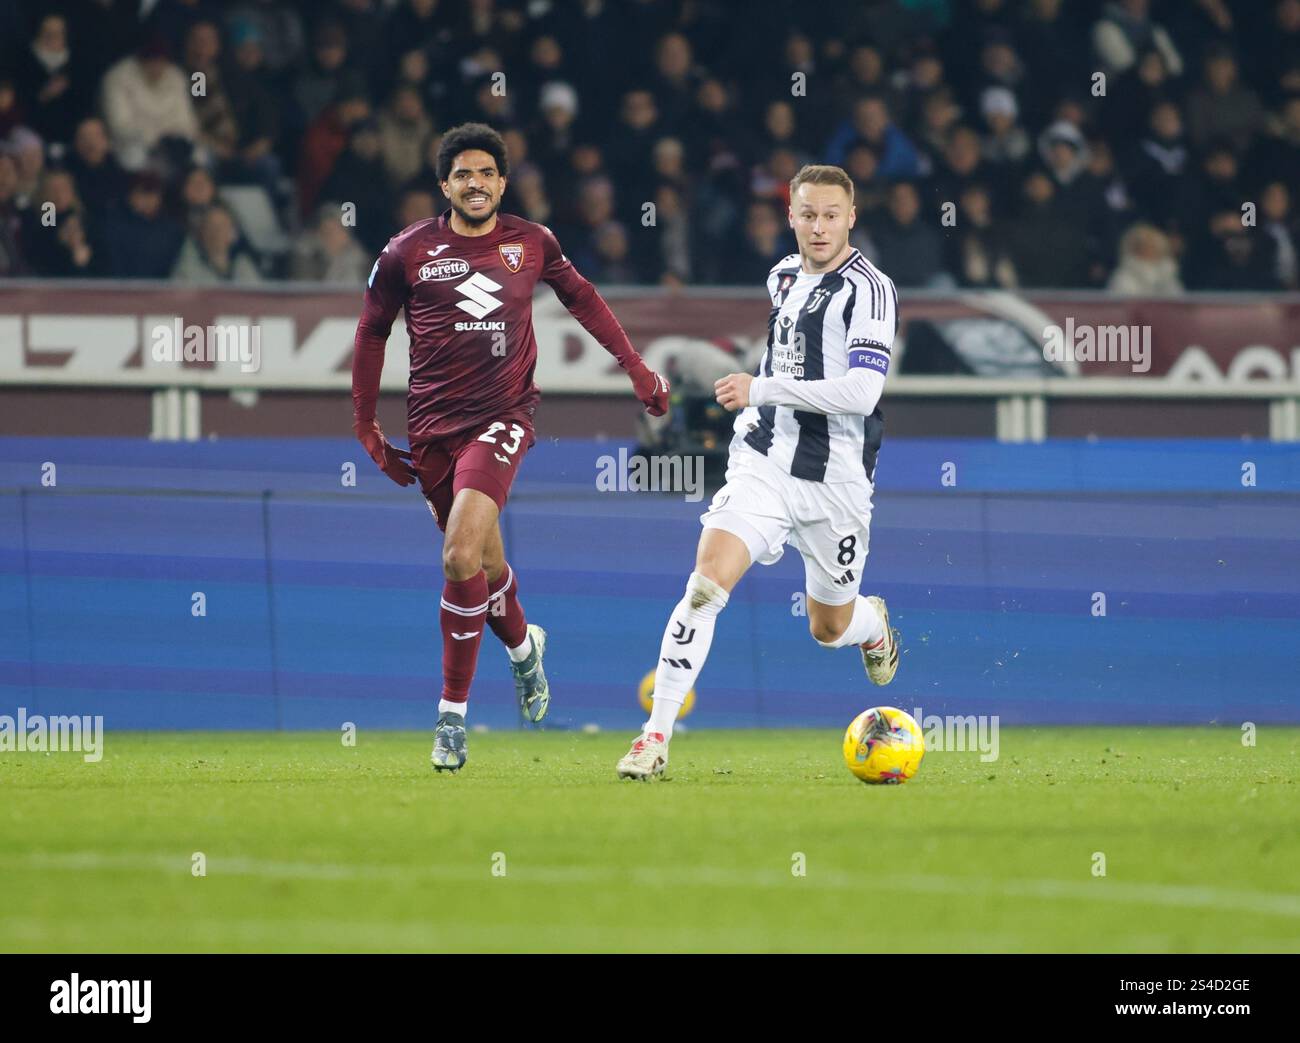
column 146, row 98
column 1125, row 32
column 1147, row 264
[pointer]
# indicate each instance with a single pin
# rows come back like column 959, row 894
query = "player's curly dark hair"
column 471, row 136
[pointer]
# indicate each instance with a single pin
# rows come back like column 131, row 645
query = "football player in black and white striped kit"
column 802, row 460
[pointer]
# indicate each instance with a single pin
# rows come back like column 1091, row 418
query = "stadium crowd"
column 1139, row 145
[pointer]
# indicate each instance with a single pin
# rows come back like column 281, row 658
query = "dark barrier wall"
column 321, row 599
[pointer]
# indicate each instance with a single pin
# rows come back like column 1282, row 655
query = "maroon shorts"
column 485, row 457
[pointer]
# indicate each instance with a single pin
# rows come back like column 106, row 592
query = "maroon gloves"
column 392, row 461
column 650, row 388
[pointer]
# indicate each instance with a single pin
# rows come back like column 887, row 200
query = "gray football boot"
column 449, row 752
column 530, row 679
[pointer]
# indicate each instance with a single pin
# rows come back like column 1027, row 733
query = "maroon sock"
column 505, row 614
column 464, row 607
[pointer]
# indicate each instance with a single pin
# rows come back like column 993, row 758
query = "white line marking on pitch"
column 1181, row 896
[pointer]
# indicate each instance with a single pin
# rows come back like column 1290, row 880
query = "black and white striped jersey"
column 814, row 401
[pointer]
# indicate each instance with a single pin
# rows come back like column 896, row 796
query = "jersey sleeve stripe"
column 877, row 288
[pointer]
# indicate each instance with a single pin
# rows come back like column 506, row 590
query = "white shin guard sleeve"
column 685, row 646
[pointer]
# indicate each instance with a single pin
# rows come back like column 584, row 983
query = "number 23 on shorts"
column 510, row 446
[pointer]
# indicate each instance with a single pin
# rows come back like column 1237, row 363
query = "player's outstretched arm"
column 587, row 306
column 385, row 293
column 854, row 394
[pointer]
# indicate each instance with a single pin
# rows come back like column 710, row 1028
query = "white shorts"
column 828, row 524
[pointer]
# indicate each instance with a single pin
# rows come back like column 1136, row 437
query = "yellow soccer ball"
column 884, row 744
column 646, row 695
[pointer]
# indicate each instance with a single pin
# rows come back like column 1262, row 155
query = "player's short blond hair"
column 821, row 174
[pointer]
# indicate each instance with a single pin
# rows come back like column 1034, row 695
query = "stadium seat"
column 256, row 217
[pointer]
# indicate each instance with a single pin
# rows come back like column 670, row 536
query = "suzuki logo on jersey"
column 441, row 271
column 478, row 288
column 512, row 256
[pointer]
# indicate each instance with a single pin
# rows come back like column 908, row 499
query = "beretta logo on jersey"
column 447, row 268
column 512, row 256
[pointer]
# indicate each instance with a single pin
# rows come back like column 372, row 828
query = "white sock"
column 663, row 715
column 864, row 628
column 447, row 706
column 683, row 650
column 521, row 652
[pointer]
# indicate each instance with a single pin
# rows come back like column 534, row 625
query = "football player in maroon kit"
column 466, row 280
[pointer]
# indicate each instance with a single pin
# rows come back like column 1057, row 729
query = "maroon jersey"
column 469, row 315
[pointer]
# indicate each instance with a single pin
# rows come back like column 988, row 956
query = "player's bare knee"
column 460, row 562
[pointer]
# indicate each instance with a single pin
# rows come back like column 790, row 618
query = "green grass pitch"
column 536, row 846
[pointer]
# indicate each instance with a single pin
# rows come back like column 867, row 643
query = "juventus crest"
column 819, row 297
